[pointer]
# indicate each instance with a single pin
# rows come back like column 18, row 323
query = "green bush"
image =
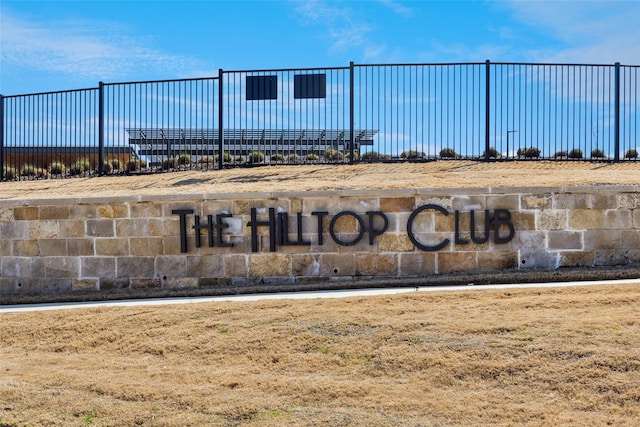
column 493, row 153
column 226, row 158
column 57, row 168
column 256, row 157
column 631, row 154
column 107, row 167
column 597, row 153
column 413, row 155
column 9, row 173
column 277, row 157
column 333, row 154
column 576, row 153
column 115, row 163
column 529, row 153
column 356, row 156
column 133, row 165
column 312, row 157
column 371, row 155
column 184, row 159
column 448, row 153
column 31, row 170
column 561, row 155
column 169, row 163
column 294, row 158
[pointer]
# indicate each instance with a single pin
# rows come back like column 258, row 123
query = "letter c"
column 413, row 239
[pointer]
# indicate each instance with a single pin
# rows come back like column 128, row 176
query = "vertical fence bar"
column 1, row 137
column 100, row 128
column 351, row 113
column 616, row 155
column 487, row 107
column 220, row 118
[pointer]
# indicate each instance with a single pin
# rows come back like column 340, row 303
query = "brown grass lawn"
column 487, row 357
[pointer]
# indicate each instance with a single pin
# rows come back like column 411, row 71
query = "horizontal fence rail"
column 359, row 113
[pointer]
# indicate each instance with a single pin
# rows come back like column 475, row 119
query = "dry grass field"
column 567, row 356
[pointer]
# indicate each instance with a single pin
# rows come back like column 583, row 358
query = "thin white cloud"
column 586, row 31
column 397, row 7
column 84, row 50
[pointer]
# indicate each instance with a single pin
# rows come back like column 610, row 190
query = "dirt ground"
column 566, row 356
column 440, row 174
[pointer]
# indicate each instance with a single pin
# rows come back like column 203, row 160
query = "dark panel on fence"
column 307, row 86
column 262, row 88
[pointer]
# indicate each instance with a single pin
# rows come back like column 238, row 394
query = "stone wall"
column 96, row 244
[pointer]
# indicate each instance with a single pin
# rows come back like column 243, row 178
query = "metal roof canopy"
column 249, row 135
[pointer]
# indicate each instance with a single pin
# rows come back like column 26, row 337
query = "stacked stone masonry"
column 98, row 244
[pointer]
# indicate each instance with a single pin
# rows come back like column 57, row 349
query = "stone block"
column 214, row 282
column 630, row 239
column 100, row 228
column 306, row 265
column 602, row 239
column 397, row 204
column 84, row 284
column 171, row 245
column 552, row 220
column 135, row 266
column 100, row 267
column 576, row 259
column 144, row 227
column 456, row 262
column 634, row 256
column 434, row 239
column 112, row 247
column 113, row 210
column 497, row 261
column 146, row 246
column 51, row 285
column 6, row 214
column 48, row 212
column 83, row 211
column 80, row 247
column 511, row 202
column 205, row 266
column 538, row 259
column 611, row 257
column 26, row 248
column 52, row 247
column 468, row 203
column 586, row 219
column 417, row 263
column 25, row 213
column 62, row 267
column 73, row 228
column 573, row 201
column 372, row 264
column 44, row 229
column 629, row 201
column 145, row 210
column 112, row 283
column 15, row 230
column 171, row 266
column 536, row 201
column 618, row 219
column 337, row 264
column 180, row 282
column 524, row 220
column 563, row 240
column 145, row 282
column 236, row 266
column 445, row 202
column 270, row 265
column 603, row 201
column 394, row 243
column 14, row 266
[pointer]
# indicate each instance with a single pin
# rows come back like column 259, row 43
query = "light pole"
column 508, row 132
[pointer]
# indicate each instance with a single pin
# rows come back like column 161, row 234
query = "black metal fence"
column 360, row 113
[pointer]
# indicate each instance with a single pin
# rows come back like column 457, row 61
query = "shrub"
column 576, row 153
column 31, row 170
column 226, row 158
column 169, row 163
column 107, row 167
column 115, row 163
column 256, row 157
column 413, row 155
column 493, row 153
column 333, row 154
column 133, row 165
column 206, row 159
column 9, row 173
column 448, row 153
column 277, row 157
column 294, row 158
column 312, row 157
column 529, row 153
column 356, row 156
column 57, row 168
column 239, row 159
column 184, row 159
column 561, row 155
column 597, row 153
column 371, row 155
column 631, row 154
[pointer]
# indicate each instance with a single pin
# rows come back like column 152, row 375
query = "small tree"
column 631, row 154
column 413, row 155
column 493, row 153
column 57, row 168
column 448, row 153
column 576, row 153
column 597, row 153
column 256, row 157
column 371, row 155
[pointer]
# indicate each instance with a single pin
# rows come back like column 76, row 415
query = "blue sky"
column 56, row 45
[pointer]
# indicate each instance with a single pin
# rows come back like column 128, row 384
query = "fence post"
column 220, row 118
column 616, row 134
column 1, row 137
column 352, row 138
column 487, row 113
column 100, row 128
